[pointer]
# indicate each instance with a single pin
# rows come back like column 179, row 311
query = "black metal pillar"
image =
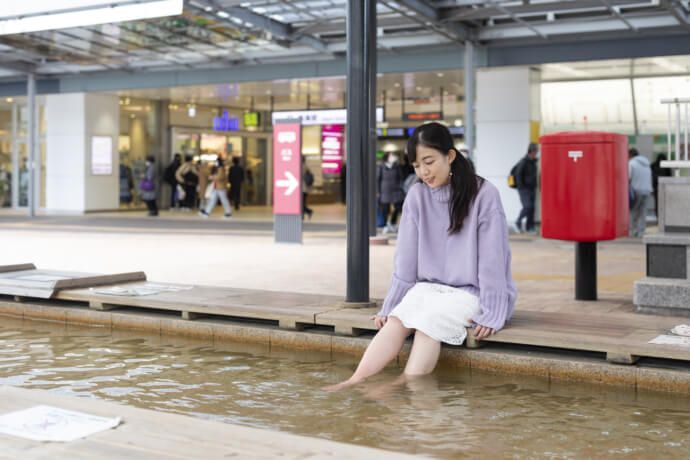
column 31, row 143
column 586, row 271
column 357, row 147
column 370, row 71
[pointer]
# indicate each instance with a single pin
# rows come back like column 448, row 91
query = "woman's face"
column 433, row 167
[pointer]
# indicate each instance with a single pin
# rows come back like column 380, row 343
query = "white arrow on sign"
column 291, row 183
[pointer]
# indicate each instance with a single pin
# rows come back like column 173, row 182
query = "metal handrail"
column 680, row 159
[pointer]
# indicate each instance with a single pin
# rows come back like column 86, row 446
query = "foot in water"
column 341, row 386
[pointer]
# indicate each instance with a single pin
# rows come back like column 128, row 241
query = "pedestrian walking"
column 188, row 176
column 307, row 183
column 147, row 186
column 526, row 183
column 204, row 183
column 236, row 177
column 220, row 185
column 389, row 186
column 640, row 176
column 169, row 178
column 657, row 172
column 452, row 261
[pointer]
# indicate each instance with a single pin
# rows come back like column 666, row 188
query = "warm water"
column 449, row 414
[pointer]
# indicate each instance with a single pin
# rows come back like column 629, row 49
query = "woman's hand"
column 379, row 321
column 481, row 332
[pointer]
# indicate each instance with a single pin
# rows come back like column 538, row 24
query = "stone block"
column 674, row 204
column 662, row 295
column 300, row 340
column 223, row 333
column 600, row 372
column 12, row 308
column 454, row 358
column 81, row 315
column 136, row 321
column 190, row 329
column 45, row 312
column 663, row 380
column 509, row 363
column 353, row 346
column 667, row 261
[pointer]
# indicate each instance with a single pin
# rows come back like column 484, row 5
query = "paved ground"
column 182, row 247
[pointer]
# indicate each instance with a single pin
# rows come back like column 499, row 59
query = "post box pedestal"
column 585, row 271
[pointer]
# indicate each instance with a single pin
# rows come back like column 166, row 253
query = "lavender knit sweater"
column 476, row 260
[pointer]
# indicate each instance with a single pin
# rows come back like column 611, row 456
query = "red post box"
column 584, row 186
column 584, row 195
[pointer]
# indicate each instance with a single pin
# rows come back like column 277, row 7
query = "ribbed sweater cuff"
column 496, row 309
column 396, row 292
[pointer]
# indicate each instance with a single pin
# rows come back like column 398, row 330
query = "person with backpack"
column 169, row 177
column 307, row 182
column 188, row 176
column 524, row 174
column 389, row 187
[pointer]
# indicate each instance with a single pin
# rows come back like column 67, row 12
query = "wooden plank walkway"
column 607, row 326
column 160, row 435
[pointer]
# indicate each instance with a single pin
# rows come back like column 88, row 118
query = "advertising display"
column 332, row 149
column 287, row 156
column 101, row 155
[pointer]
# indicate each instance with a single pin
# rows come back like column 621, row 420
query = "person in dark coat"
column 657, row 172
column 526, row 182
column 236, row 177
column 389, row 181
column 169, row 177
column 148, row 192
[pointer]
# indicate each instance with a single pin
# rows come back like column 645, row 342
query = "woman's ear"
column 451, row 156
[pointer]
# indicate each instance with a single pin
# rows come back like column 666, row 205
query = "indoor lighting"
column 37, row 15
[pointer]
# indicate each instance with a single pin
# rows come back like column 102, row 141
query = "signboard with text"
column 287, row 156
column 332, row 149
column 101, row 155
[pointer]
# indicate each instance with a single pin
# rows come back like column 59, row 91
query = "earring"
column 451, row 173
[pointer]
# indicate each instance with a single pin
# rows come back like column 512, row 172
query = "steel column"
column 469, row 97
column 31, row 141
column 370, row 70
column 585, row 271
column 357, row 148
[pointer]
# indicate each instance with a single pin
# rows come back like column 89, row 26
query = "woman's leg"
column 397, row 208
column 385, row 346
column 226, row 204
column 212, row 201
column 424, row 355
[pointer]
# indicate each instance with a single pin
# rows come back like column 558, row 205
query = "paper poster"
column 46, row 423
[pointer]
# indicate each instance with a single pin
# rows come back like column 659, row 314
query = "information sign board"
column 287, row 156
column 101, row 155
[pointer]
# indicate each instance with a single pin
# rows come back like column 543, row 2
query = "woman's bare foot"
column 342, row 385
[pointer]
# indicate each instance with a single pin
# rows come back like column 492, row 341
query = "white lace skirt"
column 441, row 312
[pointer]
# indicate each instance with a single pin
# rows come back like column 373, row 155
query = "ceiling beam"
column 429, row 13
column 486, row 12
column 265, row 23
column 678, row 11
column 18, row 66
column 616, row 12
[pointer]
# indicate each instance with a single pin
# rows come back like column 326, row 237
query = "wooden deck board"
column 286, row 308
column 159, row 435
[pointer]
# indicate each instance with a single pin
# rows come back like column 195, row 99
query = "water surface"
column 454, row 414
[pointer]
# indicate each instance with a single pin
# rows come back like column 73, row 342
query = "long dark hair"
column 464, row 183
